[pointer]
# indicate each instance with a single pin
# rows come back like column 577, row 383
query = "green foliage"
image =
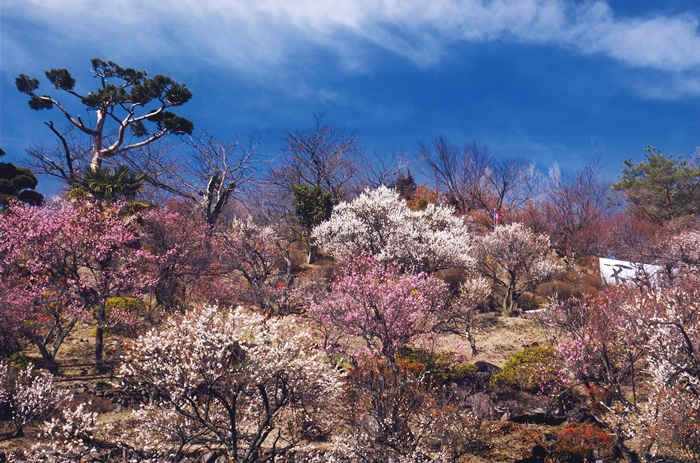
column 444, row 366
column 312, row 205
column 166, row 120
column 26, row 84
column 125, row 304
column 17, row 360
column 105, row 184
column 142, row 89
column 132, row 305
column 18, row 183
column 663, row 188
column 405, row 186
column 531, row 369
column 61, row 78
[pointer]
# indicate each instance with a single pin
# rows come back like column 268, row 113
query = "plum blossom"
column 379, row 222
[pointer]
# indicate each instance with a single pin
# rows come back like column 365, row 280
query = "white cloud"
column 267, row 33
column 678, row 86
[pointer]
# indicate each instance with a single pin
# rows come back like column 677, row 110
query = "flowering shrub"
column 380, row 223
column 443, row 367
column 27, row 398
column 516, row 259
column 234, row 380
column 580, row 442
column 603, row 350
column 404, row 415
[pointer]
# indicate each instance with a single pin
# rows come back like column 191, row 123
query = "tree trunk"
column 508, row 302
column 312, row 255
column 49, row 360
column 101, row 317
column 626, row 453
column 468, row 334
column 99, row 346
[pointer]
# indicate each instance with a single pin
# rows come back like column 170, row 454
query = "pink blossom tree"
column 181, row 256
column 251, row 253
column 61, row 263
column 381, row 306
column 372, row 313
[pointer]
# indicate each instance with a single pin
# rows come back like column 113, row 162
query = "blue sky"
column 543, row 80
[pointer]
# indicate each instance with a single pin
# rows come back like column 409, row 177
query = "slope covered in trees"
column 197, row 311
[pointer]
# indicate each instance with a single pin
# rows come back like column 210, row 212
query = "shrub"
column 17, row 360
column 580, row 442
column 532, row 369
column 123, row 315
column 444, row 366
column 558, row 289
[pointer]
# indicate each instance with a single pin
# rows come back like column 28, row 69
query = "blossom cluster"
column 379, row 222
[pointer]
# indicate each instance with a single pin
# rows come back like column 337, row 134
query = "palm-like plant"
column 105, row 184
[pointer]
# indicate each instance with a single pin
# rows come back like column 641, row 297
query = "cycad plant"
column 105, row 184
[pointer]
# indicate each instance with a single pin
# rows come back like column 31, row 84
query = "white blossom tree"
column 680, row 255
column 671, row 415
column 516, row 259
column 234, row 380
column 379, row 222
column 27, row 398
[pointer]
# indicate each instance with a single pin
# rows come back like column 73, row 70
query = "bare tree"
column 576, row 210
column 382, row 168
column 323, row 155
column 506, row 185
column 211, row 173
column 64, row 160
column 459, row 171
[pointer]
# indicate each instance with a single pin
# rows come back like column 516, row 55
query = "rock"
column 581, row 415
column 524, row 408
column 481, row 405
column 486, row 367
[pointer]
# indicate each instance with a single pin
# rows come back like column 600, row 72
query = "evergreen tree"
column 663, row 188
column 18, row 183
column 312, row 206
column 405, row 186
column 118, row 104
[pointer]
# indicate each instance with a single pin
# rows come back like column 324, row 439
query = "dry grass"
column 497, row 338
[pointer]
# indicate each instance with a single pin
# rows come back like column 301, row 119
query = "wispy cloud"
column 267, row 34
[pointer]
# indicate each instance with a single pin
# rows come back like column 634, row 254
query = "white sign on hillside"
column 615, row 272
